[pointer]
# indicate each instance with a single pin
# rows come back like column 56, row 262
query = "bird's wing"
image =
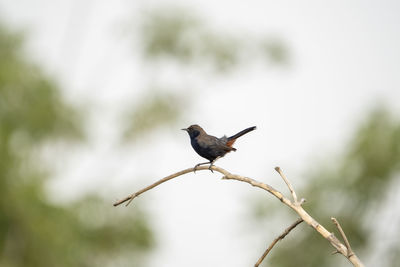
column 214, row 146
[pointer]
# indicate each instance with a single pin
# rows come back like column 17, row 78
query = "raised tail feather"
column 239, row 134
column 233, row 138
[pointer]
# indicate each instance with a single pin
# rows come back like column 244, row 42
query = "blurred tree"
column 350, row 188
column 33, row 231
column 179, row 35
column 173, row 35
column 155, row 109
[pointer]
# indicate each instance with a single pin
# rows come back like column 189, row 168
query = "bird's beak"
column 185, row 129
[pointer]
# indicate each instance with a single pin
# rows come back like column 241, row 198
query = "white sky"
column 345, row 59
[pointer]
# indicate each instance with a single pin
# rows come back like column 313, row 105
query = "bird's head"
column 193, row 130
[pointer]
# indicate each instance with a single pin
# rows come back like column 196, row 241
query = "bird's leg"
column 212, row 164
column 197, row 165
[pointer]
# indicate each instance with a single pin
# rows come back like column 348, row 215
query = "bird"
column 211, row 147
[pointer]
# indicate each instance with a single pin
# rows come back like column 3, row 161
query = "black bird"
column 211, row 147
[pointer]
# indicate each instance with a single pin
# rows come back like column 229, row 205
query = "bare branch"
column 296, row 205
column 289, row 185
column 346, row 241
column 147, row 188
column 282, row 236
column 226, row 174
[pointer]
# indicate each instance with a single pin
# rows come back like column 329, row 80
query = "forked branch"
column 294, row 205
column 289, row 185
column 350, row 252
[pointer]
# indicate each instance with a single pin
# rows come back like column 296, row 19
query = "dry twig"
column 147, row 188
column 282, row 236
column 346, row 242
column 289, row 185
column 295, row 205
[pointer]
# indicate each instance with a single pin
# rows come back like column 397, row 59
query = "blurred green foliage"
column 173, row 34
column 34, row 231
column 348, row 188
column 169, row 33
column 275, row 51
column 154, row 110
column 179, row 35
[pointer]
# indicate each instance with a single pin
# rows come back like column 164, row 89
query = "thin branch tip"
column 280, row 237
column 289, row 185
column 167, row 178
column 129, row 202
column 350, row 252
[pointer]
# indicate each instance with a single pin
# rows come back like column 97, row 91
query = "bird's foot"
column 210, row 167
column 195, row 167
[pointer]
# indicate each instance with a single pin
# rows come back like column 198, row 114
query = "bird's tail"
column 233, row 138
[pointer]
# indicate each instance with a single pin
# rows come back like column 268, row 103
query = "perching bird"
column 211, row 147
